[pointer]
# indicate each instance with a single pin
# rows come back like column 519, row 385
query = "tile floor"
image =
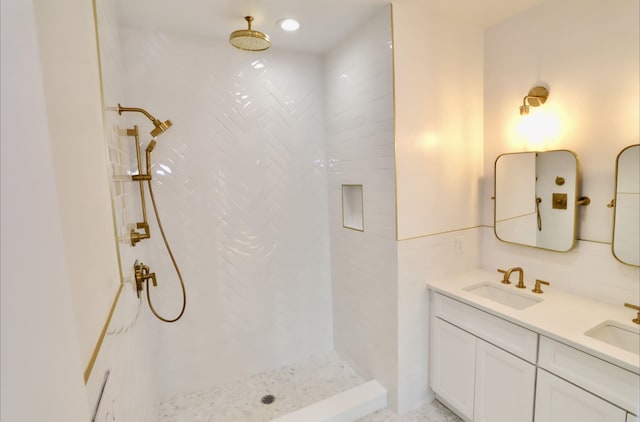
column 293, row 386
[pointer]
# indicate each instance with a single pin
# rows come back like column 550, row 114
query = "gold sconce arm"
column 536, row 97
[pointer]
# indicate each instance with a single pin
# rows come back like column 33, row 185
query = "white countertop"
column 560, row 316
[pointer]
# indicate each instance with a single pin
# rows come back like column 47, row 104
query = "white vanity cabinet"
column 493, row 362
column 477, row 379
column 559, row 401
column 594, row 390
column 504, row 386
column 453, row 363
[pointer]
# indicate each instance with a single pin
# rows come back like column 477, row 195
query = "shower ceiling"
column 324, row 22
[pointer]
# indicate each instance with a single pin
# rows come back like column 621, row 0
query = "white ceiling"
column 324, row 22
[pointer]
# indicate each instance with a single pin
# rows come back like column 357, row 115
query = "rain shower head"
column 248, row 39
column 160, row 127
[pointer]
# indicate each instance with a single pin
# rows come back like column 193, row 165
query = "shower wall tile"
column 422, row 260
column 124, row 357
column 241, row 186
column 125, row 352
column 360, row 134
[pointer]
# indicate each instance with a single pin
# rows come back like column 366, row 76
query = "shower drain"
column 268, row 399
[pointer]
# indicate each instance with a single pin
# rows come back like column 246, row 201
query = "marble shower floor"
column 294, row 387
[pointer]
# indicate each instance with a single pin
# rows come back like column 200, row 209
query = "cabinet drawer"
column 560, row 401
column 510, row 337
column 612, row 383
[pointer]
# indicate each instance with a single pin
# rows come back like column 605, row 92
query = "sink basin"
column 508, row 296
column 617, row 335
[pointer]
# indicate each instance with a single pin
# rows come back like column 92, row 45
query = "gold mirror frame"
column 536, row 199
column 626, row 206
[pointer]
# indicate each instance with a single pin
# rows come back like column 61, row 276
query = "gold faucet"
column 505, row 279
column 507, row 275
column 637, row 308
column 537, row 288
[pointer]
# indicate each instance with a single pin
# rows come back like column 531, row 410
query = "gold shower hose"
column 173, row 260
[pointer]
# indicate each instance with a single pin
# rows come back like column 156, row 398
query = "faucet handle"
column 636, row 308
column 505, row 280
column 537, row 288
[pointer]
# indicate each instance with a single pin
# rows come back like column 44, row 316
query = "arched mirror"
column 626, row 217
column 536, row 196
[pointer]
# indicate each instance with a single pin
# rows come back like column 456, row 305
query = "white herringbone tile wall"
column 359, row 87
column 129, row 394
column 240, row 181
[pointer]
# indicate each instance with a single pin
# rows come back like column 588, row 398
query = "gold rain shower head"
column 248, row 39
column 160, row 127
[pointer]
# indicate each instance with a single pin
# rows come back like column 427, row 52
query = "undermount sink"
column 617, row 335
column 503, row 295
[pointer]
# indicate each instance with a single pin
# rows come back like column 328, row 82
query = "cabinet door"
column 453, row 366
column 505, row 386
column 559, row 401
column 632, row 418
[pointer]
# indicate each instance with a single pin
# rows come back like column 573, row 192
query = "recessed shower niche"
column 352, row 207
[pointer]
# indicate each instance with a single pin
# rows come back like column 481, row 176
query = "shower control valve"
column 142, row 274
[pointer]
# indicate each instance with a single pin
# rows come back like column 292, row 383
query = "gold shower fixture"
column 136, row 236
column 160, row 127
column 248, row 39
column 535, row 98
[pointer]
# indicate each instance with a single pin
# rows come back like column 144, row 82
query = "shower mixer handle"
column 142, row 274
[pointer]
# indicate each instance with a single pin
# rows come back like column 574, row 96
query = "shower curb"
column 347, row 406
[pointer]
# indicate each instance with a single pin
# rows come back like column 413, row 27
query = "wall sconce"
column 536, row 97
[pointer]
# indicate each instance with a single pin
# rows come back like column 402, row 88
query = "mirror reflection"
column 626, row 218
column 535, row 199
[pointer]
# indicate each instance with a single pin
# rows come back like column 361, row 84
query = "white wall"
column 438, row 112
column 240, row 181
column 40, row 359
column 129, row 392
column 359, row 104
column 438, row 93
column 587, row 51
column 66, row 33
column 419, row 261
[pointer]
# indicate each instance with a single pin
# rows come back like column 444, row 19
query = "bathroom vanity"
column 503, row 354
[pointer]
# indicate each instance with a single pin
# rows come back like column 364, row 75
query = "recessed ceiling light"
column 289, row 24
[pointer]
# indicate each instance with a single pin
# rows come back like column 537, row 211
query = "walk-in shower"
column 249, row 188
